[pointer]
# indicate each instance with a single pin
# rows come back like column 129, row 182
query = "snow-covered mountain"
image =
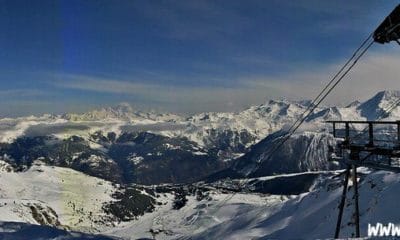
column 122, row 112
column 303, row 152
column 258, row 121
column 307, row 149
column 236, row 139
column 379, row 104
column 81, row 172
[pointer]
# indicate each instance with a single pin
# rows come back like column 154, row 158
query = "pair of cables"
column 328, row 88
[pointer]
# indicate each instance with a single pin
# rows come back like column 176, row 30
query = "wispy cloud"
column 376, row 72
column 175, row 98
column 21, row 93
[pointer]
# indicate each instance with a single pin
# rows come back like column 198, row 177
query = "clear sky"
column 186, row 55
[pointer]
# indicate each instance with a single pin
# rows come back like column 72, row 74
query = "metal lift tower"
column 361, row 148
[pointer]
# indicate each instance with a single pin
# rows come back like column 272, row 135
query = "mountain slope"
column 21, row 231
column 379, row 104
column 139, row 157
column 303, row 152
column 318, row 209
column 54, row 196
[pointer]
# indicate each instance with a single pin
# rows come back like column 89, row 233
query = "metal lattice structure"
column 372, row 144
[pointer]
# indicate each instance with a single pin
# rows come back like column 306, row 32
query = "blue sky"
column 181, row 56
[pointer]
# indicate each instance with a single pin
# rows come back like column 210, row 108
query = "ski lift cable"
column 316, row 102
column 332, row 80
column 312, row 109
column 387, row 31
column 329, row 90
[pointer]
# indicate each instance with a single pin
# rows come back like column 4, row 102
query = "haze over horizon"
column 186, row 56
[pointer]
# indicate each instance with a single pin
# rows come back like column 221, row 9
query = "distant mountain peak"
column 385, row 95
column 285, row 101
column 120, row 110
column 123, row 107
column 381, row 102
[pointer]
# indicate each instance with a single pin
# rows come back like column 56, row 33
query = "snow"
column 71, row 194
column 199, row 153
column 97, row 146
column 5, row 166
column 171, row 147
column 378, row 191
column 194, row 217
column 94, row 160
column 257, row 216
column 135, row 159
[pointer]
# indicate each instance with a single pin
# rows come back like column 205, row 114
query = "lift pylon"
column 372, row 144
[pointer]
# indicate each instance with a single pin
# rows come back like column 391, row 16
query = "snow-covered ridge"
column 379, row 104
column 258, row 121
column 122, row 112
column 252, row 120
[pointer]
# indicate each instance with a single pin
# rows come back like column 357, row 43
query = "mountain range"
column 122, row 172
